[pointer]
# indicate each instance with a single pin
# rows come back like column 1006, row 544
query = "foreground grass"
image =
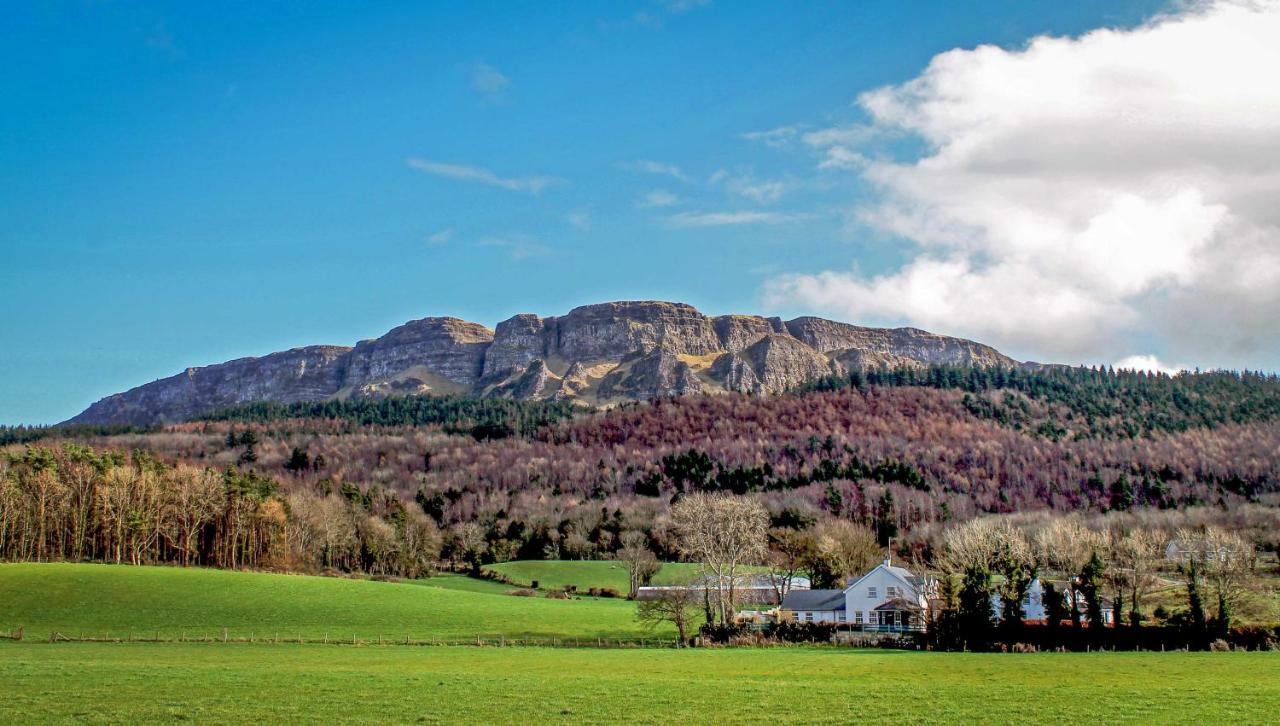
column 95, row 600
column 242, row 682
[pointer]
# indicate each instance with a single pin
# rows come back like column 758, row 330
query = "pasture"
column 135, row 682
column 123, row 601
column 583, row 574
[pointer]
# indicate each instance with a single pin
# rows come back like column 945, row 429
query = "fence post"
column 224, row 635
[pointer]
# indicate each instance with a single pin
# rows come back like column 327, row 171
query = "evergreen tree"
column 1122, row 496
column 886, row 519
column 1091, row 589
column 975, row 607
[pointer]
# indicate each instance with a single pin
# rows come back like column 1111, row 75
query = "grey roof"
column 814, row 600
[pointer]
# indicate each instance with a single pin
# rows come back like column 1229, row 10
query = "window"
column 871, row 593
column 891, row 592
column 871, row 618
column 808, row 617
column 840, row 616
column 857, row 617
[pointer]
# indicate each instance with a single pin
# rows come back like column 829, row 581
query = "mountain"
column 598, row 355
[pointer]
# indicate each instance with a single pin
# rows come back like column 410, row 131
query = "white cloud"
column 658, row 167
column 487, row 80
column 517, row 246
column 747, row 186
column 723, row 219
column 580, row 220
column 776, row 137
column 676, row 7
column 531, row 184
column 439, row 238
column 658, row 198
column 1148, row 363
column 1078, row 194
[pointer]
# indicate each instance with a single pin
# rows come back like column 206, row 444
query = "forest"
column 905, row 454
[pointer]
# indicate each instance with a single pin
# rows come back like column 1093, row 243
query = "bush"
column 603, row 592
column 558, row 594
column 523, row 592
column 803, row 632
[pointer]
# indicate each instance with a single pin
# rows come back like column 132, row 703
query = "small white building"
column 886, row 598
column 760, row 588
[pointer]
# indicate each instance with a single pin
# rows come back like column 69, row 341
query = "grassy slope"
column 97, row 599
column 265, row 683
column 585, row 574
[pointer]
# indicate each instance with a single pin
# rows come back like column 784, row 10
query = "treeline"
column 487, row 418
column 29, row 434
column 1090, row 402
column 70, row 502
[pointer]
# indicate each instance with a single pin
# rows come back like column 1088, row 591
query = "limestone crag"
column 597, row 355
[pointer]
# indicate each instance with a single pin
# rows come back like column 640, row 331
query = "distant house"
column 759, row 588
column 1184, row 551
column 886, row 598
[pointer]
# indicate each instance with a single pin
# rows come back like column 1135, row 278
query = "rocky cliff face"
column 596, row 354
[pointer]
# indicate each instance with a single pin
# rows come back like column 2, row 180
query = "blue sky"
column 185, row 183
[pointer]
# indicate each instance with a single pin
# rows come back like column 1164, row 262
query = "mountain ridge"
column 597, row 355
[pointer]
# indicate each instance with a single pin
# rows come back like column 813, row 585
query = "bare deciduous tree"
column 724, row 533
column 676, row 604
column 641, row 563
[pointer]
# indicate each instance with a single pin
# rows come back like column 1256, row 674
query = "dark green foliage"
column 489, row 418
column 1091, row 589
column 28, row 434
column 1091, row 402
column 1055, row 605
column 886, row 519
column 1122, row 496
column 974, row 617
column 299, row 461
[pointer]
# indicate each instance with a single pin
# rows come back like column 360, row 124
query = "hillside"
column 595, row 355
column 98, row 600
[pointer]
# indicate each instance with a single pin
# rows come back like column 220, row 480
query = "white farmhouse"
column 886, row 598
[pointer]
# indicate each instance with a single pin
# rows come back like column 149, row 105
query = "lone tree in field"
column 642, row 565
column 676, row 604
column 725, row 533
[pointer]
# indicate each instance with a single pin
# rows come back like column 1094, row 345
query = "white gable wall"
column 875, row 587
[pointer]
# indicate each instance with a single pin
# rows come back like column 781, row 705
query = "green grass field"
column 97, row 600
column 132, row 682
column 585, row 574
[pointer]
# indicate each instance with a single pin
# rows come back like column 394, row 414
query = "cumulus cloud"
column 1148, row 363
column 1079, row 194
column 478, row 175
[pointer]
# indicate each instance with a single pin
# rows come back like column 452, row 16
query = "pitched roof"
column 814, row 600
column 898, row 603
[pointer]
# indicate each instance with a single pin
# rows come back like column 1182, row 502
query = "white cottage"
column 886, row 598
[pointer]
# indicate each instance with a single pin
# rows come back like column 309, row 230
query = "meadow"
column 584, row 574
column 114, row 682
column 136, row 682
column 124, row 601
